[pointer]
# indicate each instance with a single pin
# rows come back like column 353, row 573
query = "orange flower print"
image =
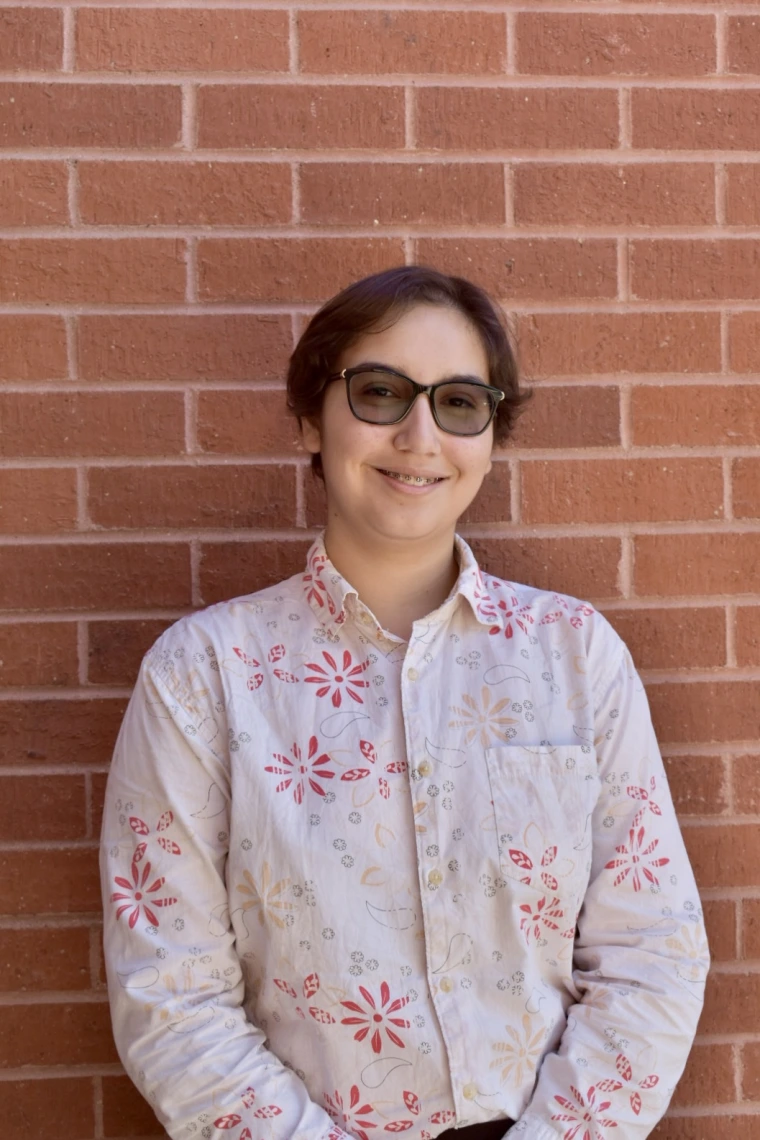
column 540, row 917
column 338, row 679
column 296, row 772
column 374, row 1018
column 582, row 1113
column 518, row 1057
column 483, row 719
column 354, row 1118
column 137, row 894
column 635, row 860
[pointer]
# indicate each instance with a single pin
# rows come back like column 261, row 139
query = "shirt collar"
column 328, row 592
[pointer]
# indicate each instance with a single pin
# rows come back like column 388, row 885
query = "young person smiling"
column 388, row 847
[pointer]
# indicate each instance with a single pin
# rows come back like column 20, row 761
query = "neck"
column 399, row 582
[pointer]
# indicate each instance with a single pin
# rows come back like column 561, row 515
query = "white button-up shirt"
column 355, row 885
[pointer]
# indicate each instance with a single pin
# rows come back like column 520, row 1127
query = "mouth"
column 411, row 480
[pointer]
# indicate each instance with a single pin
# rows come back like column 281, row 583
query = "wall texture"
column 179, row 187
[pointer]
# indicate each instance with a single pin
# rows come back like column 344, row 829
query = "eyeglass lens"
column 384, row 398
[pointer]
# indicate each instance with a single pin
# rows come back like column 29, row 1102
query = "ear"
column 311, row 435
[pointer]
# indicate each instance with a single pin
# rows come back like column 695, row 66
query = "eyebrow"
column 391, row 368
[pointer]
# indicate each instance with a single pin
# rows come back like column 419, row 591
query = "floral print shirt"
column 357, row 886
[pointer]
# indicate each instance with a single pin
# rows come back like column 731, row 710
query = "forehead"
column 428, row 342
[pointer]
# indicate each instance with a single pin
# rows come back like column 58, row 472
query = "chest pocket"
column 543, row 801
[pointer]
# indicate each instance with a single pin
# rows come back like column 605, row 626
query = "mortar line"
column 83, row 651
column 293, row 42
column 189, row 116
column 68, row 60
column 731, row 615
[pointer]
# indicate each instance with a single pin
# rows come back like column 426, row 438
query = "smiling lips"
column 414, row 480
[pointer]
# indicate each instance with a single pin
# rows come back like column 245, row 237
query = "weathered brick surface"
column 181, row 185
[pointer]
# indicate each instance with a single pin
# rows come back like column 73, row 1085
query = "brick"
column 33, row 193
column 51, row 809
column 695, row 270
column 621, row 490
column 230, row 569
column 51, row 958
column 582, row 567
column 74, row 423
column 751, row 928
column 226, row 419
column 689, row 564
column 84, row 576
column 732, row 1003
column 745, row 780
column 125, row 1112
column 695, row 119
column 63, row 880
column 492, row 502
column 743, row 45
column 412, row 42
column 98, row 781
column 561, row 43
column 748, row 635
column 674, row 638
column 57, row 1034
column 32, row 348
column 484, row 119
column 695, row 415
column 569, row 416
column 59, row 731
column 708, row 1077
column 288, row 269
column 744, row 351
column 116, row 648
column 743, row 194
column 707, row 1128
column 567, row 344
column 222, row 39
column 77, row 115
column 750, row 1069
column 216, row 497
column 746, row 488
column 226, row 347
column 544, row 269
column 697, row 784
column 720, row 923
column 34, row 1108
column 724, row 856
column 34, row 500
column 704, row 711
column 31, row 39
column 91, row 270
column 184, row 193
column 38, row 653
column 300, row 117
column 599, row 194
column 396, row 193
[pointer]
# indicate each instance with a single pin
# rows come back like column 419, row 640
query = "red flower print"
column 642, row 794
column 634, row 859
column 582, row 1112
column 141, row 828
column 316, row 591
column 374, row 1018
column 352, row 1119
column 539, row 916
column 295, row 771
column 395, row 767
column 335, row 678
column 257, row 679
column 521, row 616
column 137, row 895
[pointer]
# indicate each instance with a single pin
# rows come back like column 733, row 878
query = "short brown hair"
column 378, row 301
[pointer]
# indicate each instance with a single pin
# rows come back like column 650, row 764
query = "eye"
column 461, row 396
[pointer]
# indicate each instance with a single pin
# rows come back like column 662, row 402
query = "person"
column 388, row 847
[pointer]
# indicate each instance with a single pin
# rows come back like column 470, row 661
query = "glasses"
column 384, row 396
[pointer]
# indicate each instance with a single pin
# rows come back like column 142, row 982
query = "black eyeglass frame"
column 495, row 394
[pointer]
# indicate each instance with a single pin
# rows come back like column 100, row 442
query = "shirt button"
column 446, row 985
column 412, row 674
column 469, row 1092
column 435, row 878
column 425, row 768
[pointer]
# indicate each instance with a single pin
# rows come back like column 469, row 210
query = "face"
column 367, row 467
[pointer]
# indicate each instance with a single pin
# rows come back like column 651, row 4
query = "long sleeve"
column 174, row 977
column 640, row 958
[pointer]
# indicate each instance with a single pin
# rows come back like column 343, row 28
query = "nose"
column 418, row 431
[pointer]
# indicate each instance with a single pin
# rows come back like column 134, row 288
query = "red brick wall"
column 179, row 187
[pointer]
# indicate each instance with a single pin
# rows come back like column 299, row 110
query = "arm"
column 175, row 981
column 640, row 958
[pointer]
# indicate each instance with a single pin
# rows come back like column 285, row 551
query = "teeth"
column 417, row 479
